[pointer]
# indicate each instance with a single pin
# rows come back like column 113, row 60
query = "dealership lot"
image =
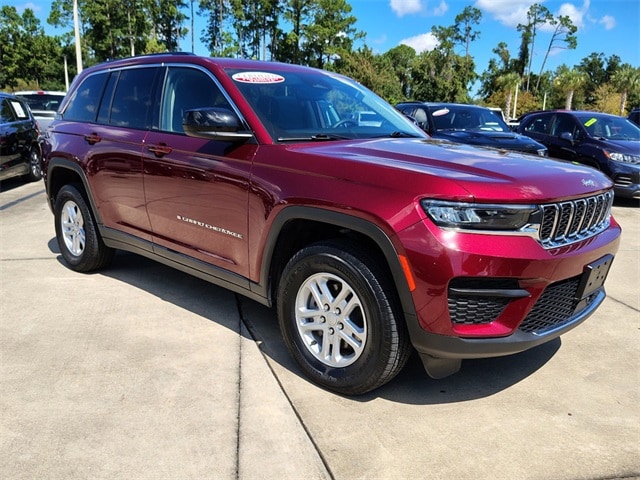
column 140, row 371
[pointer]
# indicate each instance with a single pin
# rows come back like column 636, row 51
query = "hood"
column 631, row 147
column 441, row 169
column 507, row 140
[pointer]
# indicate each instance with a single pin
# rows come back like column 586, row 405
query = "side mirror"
column 567, row 136
column 214, row 123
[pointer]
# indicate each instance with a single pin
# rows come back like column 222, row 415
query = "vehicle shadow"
column 477, row 378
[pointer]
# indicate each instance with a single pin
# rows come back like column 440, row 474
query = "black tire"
column 35, row 165
column 76, row 231
column 352, row 351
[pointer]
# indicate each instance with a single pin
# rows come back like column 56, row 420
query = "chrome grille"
column 567, row 222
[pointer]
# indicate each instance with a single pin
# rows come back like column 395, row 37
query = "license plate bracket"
column 593, row 277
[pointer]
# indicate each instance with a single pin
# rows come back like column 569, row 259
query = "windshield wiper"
column 397, row 134
column 321, row 137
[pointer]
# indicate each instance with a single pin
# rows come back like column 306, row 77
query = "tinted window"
column 538, row 124
column 132, row 98
column 186, row 89
column 564, row 124
column 83, row 105
column 6, row 113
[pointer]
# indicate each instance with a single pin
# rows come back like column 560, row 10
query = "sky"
column 604, row 26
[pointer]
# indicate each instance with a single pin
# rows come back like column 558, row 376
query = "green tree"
column 27, row 55
column 626, row 80
column 217, row 12
column 537, row 15
column 298, row 14
column 331, row 33
column 401, row 59
column 464, row 32
column 508, row 84
column 563, row 36
column 567, row 81
column 373, row 71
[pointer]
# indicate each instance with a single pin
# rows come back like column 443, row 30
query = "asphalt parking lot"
column 143, row 372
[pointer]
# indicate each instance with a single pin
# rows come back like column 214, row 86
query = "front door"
column 196, row 190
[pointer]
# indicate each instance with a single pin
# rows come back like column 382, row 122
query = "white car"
column 43, row 105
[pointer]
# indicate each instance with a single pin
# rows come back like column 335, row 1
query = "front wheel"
column 77, row 233
column 339, row 318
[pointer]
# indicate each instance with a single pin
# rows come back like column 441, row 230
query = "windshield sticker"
column 590, row 122
column 439, row 113
column 257, row 77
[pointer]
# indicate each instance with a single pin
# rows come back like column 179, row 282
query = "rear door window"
column 132, row 98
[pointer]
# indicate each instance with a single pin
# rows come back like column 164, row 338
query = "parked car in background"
column 469, row 124
column 607, row 142
column 43, row 105
column 19, row 148
column 634, row 116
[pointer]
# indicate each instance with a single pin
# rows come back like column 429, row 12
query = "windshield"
column 313, row 105
column 460, row 117
column 609, row 127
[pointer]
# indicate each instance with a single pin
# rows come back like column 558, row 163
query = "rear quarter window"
column 85, row 100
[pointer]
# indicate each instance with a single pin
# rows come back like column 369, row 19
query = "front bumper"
column 481, row 296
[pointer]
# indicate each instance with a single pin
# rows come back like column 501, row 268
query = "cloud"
column 441, row 9
column 508, row 12
column 405, row 7
column 421, row 43
column 574, row 13
column 608, row 21
column 21, row 8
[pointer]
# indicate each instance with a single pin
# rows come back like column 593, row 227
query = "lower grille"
column 469, row 310
column 555, row 307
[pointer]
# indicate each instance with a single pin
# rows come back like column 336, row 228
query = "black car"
column 607, row 142
column 20, row 153
column 634, row 116
column 470, row 124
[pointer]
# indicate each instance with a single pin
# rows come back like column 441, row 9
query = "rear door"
column 196, row 190
column 17, row 131
column 110, row 117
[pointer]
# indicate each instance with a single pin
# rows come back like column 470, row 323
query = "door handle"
column 160, row 150
column 92, row 138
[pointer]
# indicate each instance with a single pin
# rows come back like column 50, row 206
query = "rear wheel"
column 339, row 318
column 35, row 166
column 77, row 234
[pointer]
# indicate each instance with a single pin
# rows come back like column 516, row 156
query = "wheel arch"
column 61, row 172
column 298, row 226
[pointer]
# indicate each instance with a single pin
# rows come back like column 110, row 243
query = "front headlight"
column 473, row 216
column 623, row 157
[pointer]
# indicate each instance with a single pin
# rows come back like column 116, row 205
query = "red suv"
column 370, row 238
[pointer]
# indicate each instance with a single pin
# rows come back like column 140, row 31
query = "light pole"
column 76, row 27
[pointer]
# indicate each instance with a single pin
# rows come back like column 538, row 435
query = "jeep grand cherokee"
column 370, row 239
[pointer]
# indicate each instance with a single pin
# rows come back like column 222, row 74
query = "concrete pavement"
column 143, row 372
